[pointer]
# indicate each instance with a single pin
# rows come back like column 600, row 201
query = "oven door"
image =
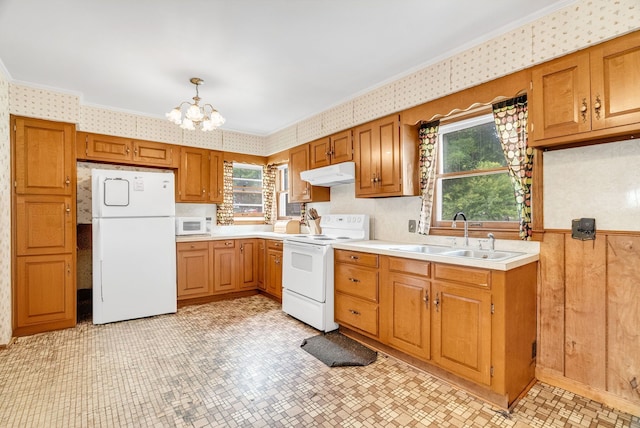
column 304, row 269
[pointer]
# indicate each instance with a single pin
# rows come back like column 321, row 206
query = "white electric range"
column 307, row 269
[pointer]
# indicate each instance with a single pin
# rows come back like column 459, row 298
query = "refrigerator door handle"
column 100, row 240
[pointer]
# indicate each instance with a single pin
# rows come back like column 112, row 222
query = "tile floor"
column 239, row 364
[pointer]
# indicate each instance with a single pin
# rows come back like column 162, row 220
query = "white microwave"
column 191, row 226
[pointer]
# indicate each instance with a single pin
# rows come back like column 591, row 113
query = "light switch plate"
column 412, row 226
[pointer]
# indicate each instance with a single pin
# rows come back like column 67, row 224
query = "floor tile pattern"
column 238, row 363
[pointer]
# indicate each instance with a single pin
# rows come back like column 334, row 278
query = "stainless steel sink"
column 482, row 254
column 424, row 249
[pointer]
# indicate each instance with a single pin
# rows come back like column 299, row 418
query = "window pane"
column 244, row 182
column 486, row 197
column 247, row 190
column 470, row 149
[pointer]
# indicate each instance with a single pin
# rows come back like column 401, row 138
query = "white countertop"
column 233, row 235
column 382, row 247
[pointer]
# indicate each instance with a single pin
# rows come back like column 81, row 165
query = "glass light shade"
column 216, row 119
column 207, row 125
column 175, row 116
column 194, row 113
column 187, row 124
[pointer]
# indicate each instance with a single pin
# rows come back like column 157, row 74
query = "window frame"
column 249, row 217
column 506, row 229
column 281, row 192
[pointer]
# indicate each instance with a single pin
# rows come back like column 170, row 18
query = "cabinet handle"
column 68, row 209
column 203, row 191
column 193, row 246
column 242, row 248
column 354, row 312
column 276, row 244
column 354, row 257
column 583, row 109
column 67, row 182
column 426, row 298
column 277, row 261
column 597, row 106
column 135, row 151
column 354, row 280
column 228, row 243
column 128, row 150
column 68, row 269
column 437, row 301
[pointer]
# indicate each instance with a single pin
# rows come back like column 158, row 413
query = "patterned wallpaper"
column 583, row 23
column 5, row 214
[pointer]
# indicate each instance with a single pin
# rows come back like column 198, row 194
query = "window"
column 247, row 191
column 472, row 176
column 286, row 209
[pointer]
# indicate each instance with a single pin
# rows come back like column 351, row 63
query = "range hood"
column 327, row 176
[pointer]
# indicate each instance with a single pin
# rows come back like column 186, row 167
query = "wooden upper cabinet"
column 336, row 148
column 109, row 148
column 44, row 158
column 299, row 190
column 386, row 158
column 44, row 224
column 592, row 94
column 216, row 177
column 193, row 175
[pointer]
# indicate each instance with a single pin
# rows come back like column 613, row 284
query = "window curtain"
column 224, row 211
column 428, row 151
column 269, row 174
column 511, row 124
column 303, row 214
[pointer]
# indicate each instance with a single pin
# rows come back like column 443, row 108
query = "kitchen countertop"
column 233, row 235
column 382, row 247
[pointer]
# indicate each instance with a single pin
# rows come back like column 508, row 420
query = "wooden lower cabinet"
column 260, row 257
column 224, row 266
column 194, row 270
column 45, row 287
column 273, row 268
column 248, row 263
column 476, row 327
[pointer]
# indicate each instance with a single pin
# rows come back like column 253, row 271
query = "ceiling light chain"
column 204, row 116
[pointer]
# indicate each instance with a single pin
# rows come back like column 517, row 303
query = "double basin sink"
column 462, row 252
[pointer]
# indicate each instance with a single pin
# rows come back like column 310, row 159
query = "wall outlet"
column 412, row 226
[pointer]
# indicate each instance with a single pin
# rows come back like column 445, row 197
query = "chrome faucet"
column 492, row 242
column 466, row 226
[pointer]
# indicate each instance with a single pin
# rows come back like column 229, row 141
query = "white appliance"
column 191, row 226
column 134, row 250
column 307, row 269
column 327, row 176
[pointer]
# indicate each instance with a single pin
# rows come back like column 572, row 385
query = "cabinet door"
column 44, row 225
column 320, row 153
column 366, row 157
column 45, row 288
column 106, row 147
column 357, row 313
column 216, row 179
column 615, row 85
column 299, row 191
column 261, row 263
column 462, row 330
column 408, row 317
column 561, row 97
column 193, row 175
column 152, row 153
column 247, row 263
column 44, row 157
column 341, row 146
column 194, row 276
column 274, row 273
column 224, row 267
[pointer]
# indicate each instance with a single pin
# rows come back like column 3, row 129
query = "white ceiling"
column 267, row 64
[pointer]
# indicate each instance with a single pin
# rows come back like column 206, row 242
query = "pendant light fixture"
column 196, row 115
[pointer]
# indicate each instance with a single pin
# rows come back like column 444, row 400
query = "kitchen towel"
column 336, row 350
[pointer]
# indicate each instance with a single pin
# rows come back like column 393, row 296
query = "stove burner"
column 323, row 238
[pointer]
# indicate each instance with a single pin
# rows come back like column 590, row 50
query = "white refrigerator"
column 134, row 250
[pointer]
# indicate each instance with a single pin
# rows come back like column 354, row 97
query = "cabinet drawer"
column 463, row 275
column 227, row 243
column 273, row 244
column 356, row 257
column 357, row 281
column 357, row 313
column 410, row 266
column 186, row 246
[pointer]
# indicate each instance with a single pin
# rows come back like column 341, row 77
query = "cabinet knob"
column 242, row 248
column 426, row 298
column 596, row 106
column 354, row 257
column 67, row 182
column 354, row 312
column 354, row 280
column 583, row 109
column 128, row 150
column 228, row 243
column 203, row 191
column 68, row 209
column 436, row 302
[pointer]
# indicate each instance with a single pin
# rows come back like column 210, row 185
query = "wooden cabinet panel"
column 357, row 313
column 320, row 153
column 302, row 191
column 261, row 255
column 224, row 266
column 273, row 275
column 247, row 263
column 152, row 153
column 462, row 330
column 341, row 145
column 44, row 153
column 45, row 291
column 463, row 275
column 615, row 82
column 407, row 326
column 357, row 281
column 105, row 147
column 216, row 179
column 44, row 225
column 194, row 270
column 193, row 175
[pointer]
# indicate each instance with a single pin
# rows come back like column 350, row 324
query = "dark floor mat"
column 335, row 350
